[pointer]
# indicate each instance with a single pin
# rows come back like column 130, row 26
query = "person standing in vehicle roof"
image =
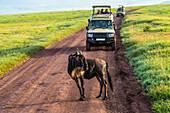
column 98, row 12
column 102, row 11
column 107, row 12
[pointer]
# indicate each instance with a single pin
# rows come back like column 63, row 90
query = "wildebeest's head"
column 77, row 72
column 77, row 60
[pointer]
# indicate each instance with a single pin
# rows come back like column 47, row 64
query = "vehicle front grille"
column 100, row 35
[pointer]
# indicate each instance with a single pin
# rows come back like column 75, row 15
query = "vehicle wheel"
column 113, row 45
column 87, row 46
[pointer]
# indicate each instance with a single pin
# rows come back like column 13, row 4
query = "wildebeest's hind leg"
column 77, row 82
column 82, row 85
column 101, row 86
column 104, row 82
column 105, row 86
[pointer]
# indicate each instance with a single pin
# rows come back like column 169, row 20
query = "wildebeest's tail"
column 109, row 77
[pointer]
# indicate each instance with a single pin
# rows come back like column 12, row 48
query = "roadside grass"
column 146, row 35
column 23, row 35
column 134, row 7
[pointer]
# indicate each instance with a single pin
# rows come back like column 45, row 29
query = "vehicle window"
column 119, row 9
column 100, row 24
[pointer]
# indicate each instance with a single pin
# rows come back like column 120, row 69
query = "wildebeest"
column 81, row 68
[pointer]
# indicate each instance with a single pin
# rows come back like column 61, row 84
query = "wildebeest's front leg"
column 101, row 86
column 82, row 85
column 77, row 82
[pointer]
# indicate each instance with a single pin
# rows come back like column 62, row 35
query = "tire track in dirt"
column 41, row 84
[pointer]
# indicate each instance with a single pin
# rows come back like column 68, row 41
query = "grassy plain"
column 23, row 35
column 146, row 35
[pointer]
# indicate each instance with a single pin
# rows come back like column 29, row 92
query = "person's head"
column 106, row 10
column 98, row 12
column 102, row 10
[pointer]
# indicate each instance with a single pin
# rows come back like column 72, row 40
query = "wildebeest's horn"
column 78, row 52
column 77, row 49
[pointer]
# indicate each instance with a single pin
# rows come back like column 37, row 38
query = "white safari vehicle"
column 101, row 28
column 120, row 11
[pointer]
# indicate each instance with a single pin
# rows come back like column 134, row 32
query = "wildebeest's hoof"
column 98, row 96
column 81, row 99
column 84, row 96
column 104, row 98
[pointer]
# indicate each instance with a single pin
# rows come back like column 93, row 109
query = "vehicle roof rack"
column 121, row 6
column 101, row 6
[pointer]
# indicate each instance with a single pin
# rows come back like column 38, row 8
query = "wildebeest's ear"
column 78, row 52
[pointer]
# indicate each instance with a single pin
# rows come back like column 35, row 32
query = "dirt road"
column 41, row 84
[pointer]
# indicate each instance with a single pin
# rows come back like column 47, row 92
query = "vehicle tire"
column 87, row 46
column 113, row 45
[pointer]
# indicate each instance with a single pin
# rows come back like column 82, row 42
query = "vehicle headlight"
column 111, row 35
column 89, row 35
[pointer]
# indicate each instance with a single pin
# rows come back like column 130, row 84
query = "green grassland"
column 23, row 35
column 146, row 35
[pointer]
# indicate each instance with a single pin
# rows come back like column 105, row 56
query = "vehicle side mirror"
column 87, row 28
column 89, row 20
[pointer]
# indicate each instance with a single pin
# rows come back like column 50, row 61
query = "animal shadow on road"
column 59, row 51
column 64, row 50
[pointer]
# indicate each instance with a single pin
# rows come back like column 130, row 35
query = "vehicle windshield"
column 119, row 9
column 100, row 24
